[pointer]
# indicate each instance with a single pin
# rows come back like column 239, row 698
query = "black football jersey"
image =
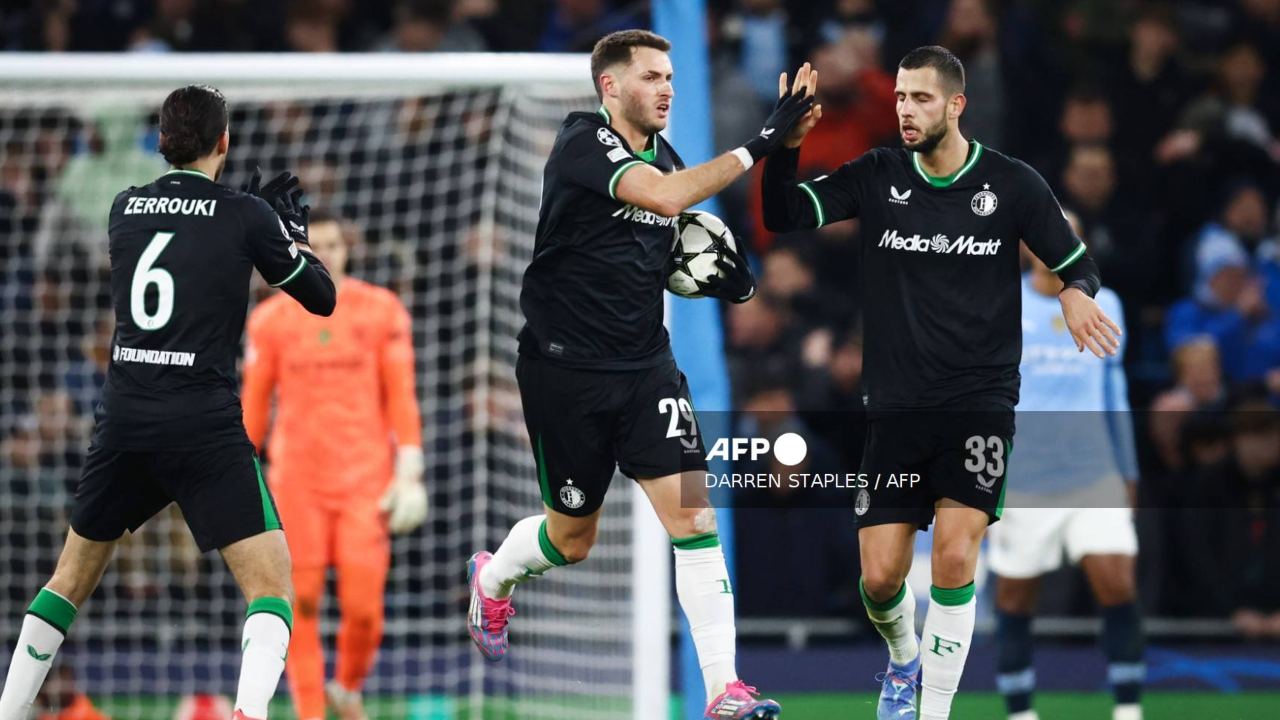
column 182, row 250
column 592, row 295
column 940, row 269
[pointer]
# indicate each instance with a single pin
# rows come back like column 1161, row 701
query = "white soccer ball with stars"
column 700, row 238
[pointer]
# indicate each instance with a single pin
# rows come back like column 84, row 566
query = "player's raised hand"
column 806, row 83
column 786, row 113
column 293, row 213
column 1088, row 324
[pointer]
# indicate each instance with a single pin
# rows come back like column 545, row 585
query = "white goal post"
column 436, row 160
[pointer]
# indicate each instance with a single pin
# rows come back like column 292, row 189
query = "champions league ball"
column 700, row 238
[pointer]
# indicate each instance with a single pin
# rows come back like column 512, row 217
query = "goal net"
column 436, row 162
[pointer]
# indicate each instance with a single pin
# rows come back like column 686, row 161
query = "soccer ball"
column 700, row 239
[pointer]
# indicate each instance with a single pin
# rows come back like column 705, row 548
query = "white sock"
column 43, row 630
column 265, row 645
column 525, row 554
column 1127, row 712
column 948, row 632
column 1025, row 715
column 702, row 585
column 896, row 621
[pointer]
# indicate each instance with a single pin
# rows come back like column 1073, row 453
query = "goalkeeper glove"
column 786, row 113
column 735, row 282
column 405, row 500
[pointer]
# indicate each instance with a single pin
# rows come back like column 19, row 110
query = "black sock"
column 1015, row 678
column 1124, row 645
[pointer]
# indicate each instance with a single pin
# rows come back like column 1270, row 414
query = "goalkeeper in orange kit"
column 346, row 461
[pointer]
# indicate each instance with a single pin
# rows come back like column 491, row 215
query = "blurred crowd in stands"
column 1157, row 123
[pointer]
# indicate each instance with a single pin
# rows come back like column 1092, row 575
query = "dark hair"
column 191, row 121
column 616, row 48
column 949, row 68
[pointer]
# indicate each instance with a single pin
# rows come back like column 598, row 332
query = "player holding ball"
column 598, row 382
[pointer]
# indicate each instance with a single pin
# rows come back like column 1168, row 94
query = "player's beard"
column 635, row 111
column 930, row 138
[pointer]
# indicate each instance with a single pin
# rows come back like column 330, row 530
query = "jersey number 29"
column 144, row 275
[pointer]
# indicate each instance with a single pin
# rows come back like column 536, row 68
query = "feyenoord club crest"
column 984, row 203
column 571, row 496
column 863, row 502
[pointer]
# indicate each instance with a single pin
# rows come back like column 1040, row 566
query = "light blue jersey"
column 1074, row 428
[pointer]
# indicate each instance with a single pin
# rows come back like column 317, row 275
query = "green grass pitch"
column 968, row 706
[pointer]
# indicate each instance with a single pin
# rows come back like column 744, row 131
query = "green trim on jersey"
column 617, row 175
column 180, row 171
column 272, row 606
column 975, row 152
column 543, row 483
column 885, row 606
column 951, row 596
column 1074, row 256
column 648, row 155
column 270, row 520
column 604, row 113
column 302, row 263
column 817, row 204
column 549, row 550
column 54, row 609
column 697, row 542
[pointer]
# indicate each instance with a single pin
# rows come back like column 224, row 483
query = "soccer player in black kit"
column 940, row 221
column 169, row 426
column 599, row 385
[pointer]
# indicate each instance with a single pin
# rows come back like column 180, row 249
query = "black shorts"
column 913, row 458
column 584, row 424
column 219, row 489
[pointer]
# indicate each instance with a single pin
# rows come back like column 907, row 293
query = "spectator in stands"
column 1120, row 237
column 1147, row 92
column 1228, row 305
column 812, row 534
column 1229, row 120
column 1242, row 222
column 1251, row 548
column 113, row 160
column 575, row 25
column 971, row 33
column 760, row 28
column 432, row 26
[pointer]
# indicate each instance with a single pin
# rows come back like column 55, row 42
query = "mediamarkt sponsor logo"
column 963, row 245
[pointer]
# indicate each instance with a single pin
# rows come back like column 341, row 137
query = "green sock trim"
column 275, row 606
column 548, row 550
column 951, row 596
column 697, row 542
column 54, row 609
column 886, row 606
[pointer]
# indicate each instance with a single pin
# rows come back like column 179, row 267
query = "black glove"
column 278, row 186
column 786, row 113
column 735, row 282
column 294, row 214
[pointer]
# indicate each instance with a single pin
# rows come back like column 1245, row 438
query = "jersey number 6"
column 143, row 275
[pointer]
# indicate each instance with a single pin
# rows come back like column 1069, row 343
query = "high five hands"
column 806, row 83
